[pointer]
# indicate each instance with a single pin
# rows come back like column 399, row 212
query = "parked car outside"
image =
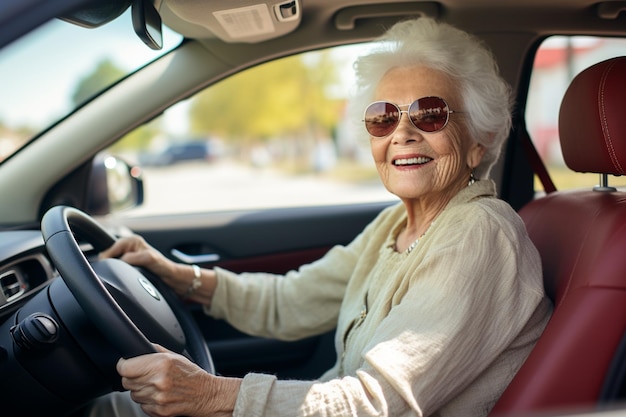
column 197, row 150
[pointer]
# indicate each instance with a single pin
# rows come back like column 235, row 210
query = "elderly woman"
column 437, row 303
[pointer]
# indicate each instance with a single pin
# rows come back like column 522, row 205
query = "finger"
column 110, row 252
column 136, row 258
column 160, row 348
column 134, row 367
column 141, row 394
column 118, row 248
column 121, row 366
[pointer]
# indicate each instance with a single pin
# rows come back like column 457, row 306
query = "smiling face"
column 419, row 166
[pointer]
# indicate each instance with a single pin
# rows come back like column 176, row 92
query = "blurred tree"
column 140, row 138
column 105, row 74
column 287, row 97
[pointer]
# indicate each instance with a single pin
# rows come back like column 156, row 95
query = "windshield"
column 49, row 73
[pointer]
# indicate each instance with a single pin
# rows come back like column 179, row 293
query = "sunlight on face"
column 419, row 165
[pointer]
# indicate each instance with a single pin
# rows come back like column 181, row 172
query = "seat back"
column 581, row 236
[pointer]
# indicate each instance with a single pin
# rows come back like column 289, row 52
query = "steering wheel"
column 131, row 308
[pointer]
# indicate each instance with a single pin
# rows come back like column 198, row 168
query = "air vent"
column 24, row 275
column 11, row 285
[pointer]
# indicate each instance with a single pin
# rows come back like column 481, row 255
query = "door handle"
column 195, row 259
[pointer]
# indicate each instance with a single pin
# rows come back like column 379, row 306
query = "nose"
column 405, row 131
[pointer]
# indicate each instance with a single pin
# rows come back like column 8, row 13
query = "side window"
column 558, row 60
column 276, row 135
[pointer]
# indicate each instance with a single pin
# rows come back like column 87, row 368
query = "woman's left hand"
column 168, row 384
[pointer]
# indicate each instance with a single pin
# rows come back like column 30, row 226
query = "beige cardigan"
column 438, row 332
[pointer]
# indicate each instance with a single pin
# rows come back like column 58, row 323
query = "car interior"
column 577, row 233
column 60, row 334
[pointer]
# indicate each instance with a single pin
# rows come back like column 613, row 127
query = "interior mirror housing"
column 147, row 23
column 97, row 13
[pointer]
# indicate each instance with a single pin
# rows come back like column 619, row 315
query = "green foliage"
column 280, row 99
column 105, row 74
column 287, row 97
column 138, row 139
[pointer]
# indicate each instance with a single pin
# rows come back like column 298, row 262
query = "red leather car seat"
column 581, row 236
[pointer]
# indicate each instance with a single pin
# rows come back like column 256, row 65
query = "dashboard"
column 24, row 268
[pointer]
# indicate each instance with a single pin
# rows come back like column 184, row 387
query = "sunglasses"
column 428, row 114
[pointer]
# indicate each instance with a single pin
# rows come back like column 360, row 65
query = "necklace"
column 414, row 244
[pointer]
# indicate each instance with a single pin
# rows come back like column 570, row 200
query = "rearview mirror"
column 147, row 23
column 94, row 13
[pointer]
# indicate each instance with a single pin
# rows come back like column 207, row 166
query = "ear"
column 475, row 154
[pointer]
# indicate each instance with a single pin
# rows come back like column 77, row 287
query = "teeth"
column 412, row 161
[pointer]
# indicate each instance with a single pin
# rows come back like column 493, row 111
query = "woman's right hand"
column 168, row 384
column 136, row 251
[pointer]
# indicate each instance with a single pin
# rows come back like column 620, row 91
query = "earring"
column 472, row 178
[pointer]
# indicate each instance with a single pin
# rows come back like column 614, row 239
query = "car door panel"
column 244, row 234
column 276, row 241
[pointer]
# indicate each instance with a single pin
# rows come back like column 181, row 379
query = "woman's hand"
column 180, row 277
column 168, row 384
column 136, row 251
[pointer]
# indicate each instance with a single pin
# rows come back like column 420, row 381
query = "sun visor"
column 239, row 21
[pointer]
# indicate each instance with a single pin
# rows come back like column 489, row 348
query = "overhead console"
column 247, row 21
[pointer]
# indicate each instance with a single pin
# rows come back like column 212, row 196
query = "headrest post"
column 604, row 185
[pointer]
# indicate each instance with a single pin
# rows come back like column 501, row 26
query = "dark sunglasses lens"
column 381, row 118
column 429, row 114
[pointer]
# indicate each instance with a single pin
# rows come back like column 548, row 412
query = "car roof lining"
column 562, row 16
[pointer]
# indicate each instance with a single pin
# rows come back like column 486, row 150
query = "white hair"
column 486, row 97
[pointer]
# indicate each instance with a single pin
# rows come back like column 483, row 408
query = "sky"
column 39, row 74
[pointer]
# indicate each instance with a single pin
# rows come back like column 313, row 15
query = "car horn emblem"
column 147, row 285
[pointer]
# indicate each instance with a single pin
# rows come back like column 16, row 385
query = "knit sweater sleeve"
column 299, row 304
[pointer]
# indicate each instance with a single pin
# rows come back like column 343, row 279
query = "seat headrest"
column 592, row 119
